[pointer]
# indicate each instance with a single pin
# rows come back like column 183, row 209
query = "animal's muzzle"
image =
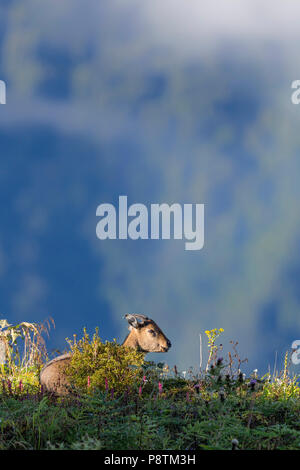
column 169, row 344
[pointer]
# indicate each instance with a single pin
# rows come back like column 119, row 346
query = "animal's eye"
column 152, row 332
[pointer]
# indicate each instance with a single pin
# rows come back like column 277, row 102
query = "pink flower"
column 144, row 379
column 160, row 387
column 140, row 391
column 88, row 381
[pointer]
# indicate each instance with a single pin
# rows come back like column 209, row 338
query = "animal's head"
column 147, row 334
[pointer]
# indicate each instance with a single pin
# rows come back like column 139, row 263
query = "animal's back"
column 53, row 376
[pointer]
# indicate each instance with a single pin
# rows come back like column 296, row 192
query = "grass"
column 161, row 409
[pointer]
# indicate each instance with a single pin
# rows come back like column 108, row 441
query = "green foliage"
column 150, row 420
column 27, row 335
column 23, row 351
column 126, row 403
column 103, row 366
column 212, row 336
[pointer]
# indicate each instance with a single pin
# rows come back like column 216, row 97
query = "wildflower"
column 20, row 386
column 88, row 381
column 235, row 444
column 222, row 395
column 255, row 372
column 140, row 390
column 219, row 361
column 160, row 388
column 252, row 384
column 144, row 379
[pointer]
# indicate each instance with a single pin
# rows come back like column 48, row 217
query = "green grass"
column 159, row 409
column 175, row 415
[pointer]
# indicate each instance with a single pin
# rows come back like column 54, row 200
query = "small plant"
column 129, row 404
column 283, row 385
column 105, row 366
column 33, row 349
column 213, row 348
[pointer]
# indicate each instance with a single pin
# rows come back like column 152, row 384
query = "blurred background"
column 171, row 101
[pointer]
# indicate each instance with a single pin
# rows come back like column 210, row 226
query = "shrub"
column 104, row 366
column 23, row 345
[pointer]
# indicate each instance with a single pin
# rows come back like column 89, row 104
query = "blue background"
column 162, row 103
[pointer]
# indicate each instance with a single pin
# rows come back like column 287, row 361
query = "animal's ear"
column 132, row 320
column 135, row 319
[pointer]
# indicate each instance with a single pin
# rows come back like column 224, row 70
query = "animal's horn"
column 133, row 318
column 141, row 317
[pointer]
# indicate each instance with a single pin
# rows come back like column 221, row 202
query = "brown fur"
column 52, row 376
column 144, row 336
column 140, row 338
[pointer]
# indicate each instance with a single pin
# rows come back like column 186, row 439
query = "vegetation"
column 131, row 404
column 96, row 365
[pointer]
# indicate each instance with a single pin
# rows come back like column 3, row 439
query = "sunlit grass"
column 160, row 408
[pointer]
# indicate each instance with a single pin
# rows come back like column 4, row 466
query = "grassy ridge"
column 158, row 409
